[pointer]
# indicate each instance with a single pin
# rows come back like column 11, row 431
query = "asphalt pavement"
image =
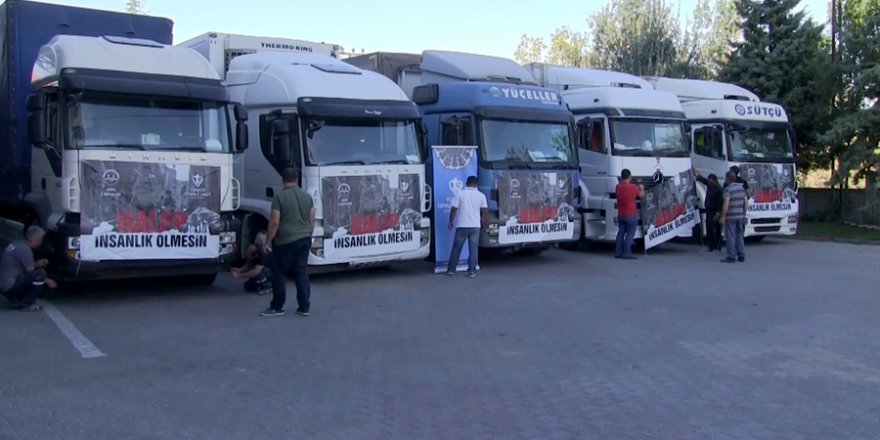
column 565, row 345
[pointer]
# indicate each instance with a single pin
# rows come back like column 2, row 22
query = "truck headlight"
column 73, row 243
column 793, row 219
column 227, row 237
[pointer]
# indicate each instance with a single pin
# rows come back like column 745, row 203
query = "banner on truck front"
column 149, row 211
column 771, row 188
column 369, row 215
column 452, row 167
column 535, row 206
column 670, row 208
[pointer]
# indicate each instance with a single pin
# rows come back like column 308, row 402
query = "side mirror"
column 241, row 136
column 281, row 141
column 240, row 113
column 583, row 133
column 36, row 121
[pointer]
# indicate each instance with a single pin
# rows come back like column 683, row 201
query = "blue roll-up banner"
column 452, row 166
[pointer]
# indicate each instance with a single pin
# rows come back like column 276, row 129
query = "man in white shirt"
column 470, row 211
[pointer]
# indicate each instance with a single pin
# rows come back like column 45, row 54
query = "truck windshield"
column 760, row 145
column 526, row 142
column 148, row 123
column 648, row 138
column 362, row 142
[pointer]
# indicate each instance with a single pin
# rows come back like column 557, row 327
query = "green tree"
column 135, row 6
column 567, row 48
column 706, row 40
column 530, row 50
column 634, row 36
column 782, row 57
column 855, row 132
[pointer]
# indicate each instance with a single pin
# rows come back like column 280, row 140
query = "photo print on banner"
column 535, row 206
column 771, row 188
column 371, row 215
column 144, row 211
column 670, row 208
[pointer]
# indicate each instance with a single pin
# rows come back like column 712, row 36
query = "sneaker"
column 741, row 259
column 729, row 260
column 450, row 274
column 302, row 313
column 472, row 275
column 31, row 308
column 272, row 312
column 265, row 291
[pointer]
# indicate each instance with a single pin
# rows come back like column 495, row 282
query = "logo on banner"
column 111, row 177
column 456, row 185
column 198, row 180
column 514, row 189
column 404, row 186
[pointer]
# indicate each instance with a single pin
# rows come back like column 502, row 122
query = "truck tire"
column 571, row 245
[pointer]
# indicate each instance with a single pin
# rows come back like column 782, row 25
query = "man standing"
column 290, row 231
column 22, row 278
column 733, row 215
column 714, row 202
column 470, row 210
column 627, row 214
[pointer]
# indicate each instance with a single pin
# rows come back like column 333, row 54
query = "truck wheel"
column 571, row 245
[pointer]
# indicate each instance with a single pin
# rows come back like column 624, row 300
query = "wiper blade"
column 120, row 146
column 344, row 162
column 639, row 153
column 391, row 162
column 520, row 165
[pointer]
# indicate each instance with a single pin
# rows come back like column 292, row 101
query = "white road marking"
column 79, row 341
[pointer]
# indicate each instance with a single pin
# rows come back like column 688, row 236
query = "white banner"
column 366, row 245
column 149, row 246
column 513, row 233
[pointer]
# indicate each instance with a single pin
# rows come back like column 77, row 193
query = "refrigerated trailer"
column 354, row 134
column 623, row 123
column 119, row 145
column 732, row 126
column 528, row 166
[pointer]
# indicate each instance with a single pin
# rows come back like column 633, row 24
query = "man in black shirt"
column 714, row 203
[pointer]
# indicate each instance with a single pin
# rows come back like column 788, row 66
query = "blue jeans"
column 284, row 257
column 734, row 232
column 626, row 232
column 472, row 235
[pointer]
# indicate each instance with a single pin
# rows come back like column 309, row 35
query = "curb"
column 837, row 240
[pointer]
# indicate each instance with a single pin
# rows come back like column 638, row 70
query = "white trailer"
column 354, row 134
column 731, row 126
column 623, row 123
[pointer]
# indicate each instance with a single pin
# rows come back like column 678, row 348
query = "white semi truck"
column 354, row 134
column 132, row 167
column 623, row 123
column 731, row 126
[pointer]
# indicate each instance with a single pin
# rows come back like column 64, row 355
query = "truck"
column 354, row 134
column 623, row 123
column 527, row 161
column 118, row 144
column 731, row 126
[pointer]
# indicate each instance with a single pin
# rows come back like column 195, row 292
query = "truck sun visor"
column 146, row 84
column 357, row 108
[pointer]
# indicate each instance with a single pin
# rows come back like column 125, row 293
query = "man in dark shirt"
column 714, row 203
column 21, row 278
column 288, row 242
column 739, row 179
column 259, row 277
column 627, row 195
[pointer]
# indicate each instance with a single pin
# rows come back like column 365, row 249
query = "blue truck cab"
column 527, row 159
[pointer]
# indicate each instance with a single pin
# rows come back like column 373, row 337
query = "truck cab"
column 731, row 126
column 527, row 163
column 133, row 157
column 354, row 134
column 623, row 123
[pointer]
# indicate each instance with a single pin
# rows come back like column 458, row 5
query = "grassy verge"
column 836, row 230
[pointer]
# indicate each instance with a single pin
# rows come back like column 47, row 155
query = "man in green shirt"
column 288, row 243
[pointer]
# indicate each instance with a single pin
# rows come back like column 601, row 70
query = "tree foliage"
column 530, row 50
column 706, row 41
column 855, row 132
column 567, row 48
column 135, row 6
column 782, row 58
